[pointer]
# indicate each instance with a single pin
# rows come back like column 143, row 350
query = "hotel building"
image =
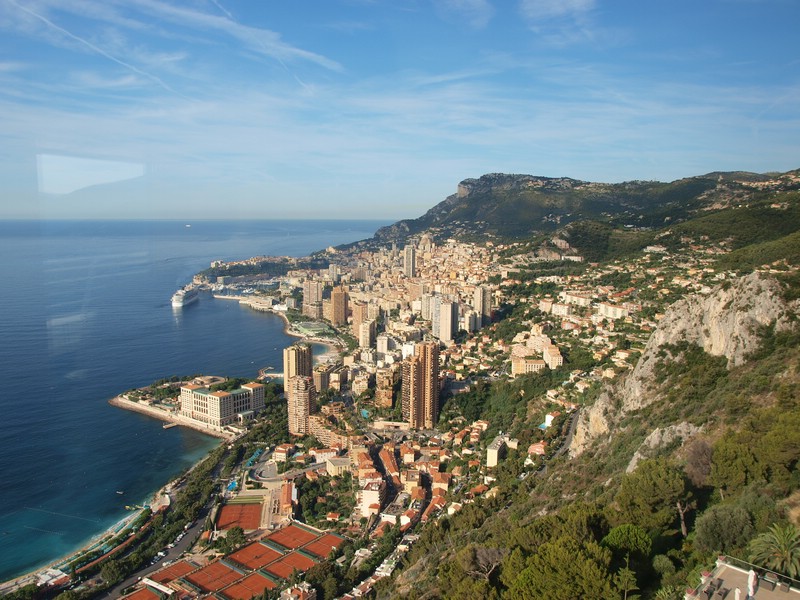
column 220, row 408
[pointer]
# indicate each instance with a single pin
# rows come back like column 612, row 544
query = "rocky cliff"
column 726, row 322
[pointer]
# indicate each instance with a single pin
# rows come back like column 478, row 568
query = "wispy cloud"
column 476, row 13
column 93, row 47
column 10, row 66
column 560, row 22
column 267, row 114
column 545, row 10
column 260, row 40
column 349, row 26
column 161, row 20
column 223, row 9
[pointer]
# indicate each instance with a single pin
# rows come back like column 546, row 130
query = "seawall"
column 163, row 415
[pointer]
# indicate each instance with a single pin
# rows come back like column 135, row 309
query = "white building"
column 220, row 408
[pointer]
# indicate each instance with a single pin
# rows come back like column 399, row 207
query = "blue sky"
column 377, row 109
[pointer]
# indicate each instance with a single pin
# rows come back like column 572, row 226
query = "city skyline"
column 209, row 109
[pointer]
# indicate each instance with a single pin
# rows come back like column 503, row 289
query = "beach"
column 56, row 569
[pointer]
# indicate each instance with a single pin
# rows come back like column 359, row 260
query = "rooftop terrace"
column 731, row 574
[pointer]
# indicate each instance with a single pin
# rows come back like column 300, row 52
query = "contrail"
column 99, row 50
column 263, row 47
column 223, row 9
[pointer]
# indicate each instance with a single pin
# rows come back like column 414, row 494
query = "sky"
column 376, row 109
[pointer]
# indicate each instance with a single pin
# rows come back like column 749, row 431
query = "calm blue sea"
column 85, row 314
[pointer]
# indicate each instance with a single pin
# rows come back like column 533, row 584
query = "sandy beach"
column 34, row 576
column 155, row 501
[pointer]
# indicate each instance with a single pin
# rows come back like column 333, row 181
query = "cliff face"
column 725, row 323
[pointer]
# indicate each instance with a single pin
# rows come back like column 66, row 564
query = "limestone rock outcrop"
column 659, row 438
column 725, row 322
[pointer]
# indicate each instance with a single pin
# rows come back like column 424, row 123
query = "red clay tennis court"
column 213, row 577
column 292, row 537
column 284, row 567
column 143, row 594
column 255, row 556
column 246, row 516
column 249, row 587
column 323, row 546
column 173, row 572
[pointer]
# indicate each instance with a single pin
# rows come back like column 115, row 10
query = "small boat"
column 169, row 425
column 120, row 493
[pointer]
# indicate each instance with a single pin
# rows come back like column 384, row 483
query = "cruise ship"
column 184, row 296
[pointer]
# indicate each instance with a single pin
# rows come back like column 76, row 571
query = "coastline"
column 155, row 500
column 165, row 415
column 137, row 297
column 34, row 575
column 334, row 349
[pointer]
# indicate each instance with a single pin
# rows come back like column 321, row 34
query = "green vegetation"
column 778, row 549
column 324, row 495
column 649, row 532
column 230, row 384
column 786, row 249
column 232, row 540
column 597, row 241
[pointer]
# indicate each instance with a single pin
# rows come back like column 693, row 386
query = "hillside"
column 513, row 207
column 697, row 456
column 688, row 452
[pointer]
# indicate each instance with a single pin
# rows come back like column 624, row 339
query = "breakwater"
column 170, row 417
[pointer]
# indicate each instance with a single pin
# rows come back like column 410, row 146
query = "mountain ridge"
column 513, row 206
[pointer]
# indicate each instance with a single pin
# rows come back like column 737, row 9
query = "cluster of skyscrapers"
column 419, row 392
column 390, row 300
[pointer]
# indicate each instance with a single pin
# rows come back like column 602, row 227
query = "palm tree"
column 778, row 549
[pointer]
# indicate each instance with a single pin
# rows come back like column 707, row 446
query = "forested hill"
column 508, row 206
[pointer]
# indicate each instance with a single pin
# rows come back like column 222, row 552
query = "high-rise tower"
column 312, row 298
column 302, row 401
column 482, row 303
column 420, row 390
column 410, row 261
column 360, row 315
column 339, row 309
column 297, row 360
column 448, row 321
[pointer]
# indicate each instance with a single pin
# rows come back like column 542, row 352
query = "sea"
column 85, row 314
